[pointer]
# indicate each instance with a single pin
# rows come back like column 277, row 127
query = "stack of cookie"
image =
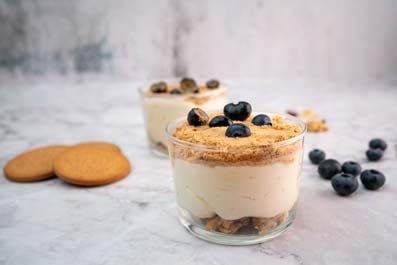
column 84, row 164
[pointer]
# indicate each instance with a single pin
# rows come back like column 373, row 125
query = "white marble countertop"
column 134, row 221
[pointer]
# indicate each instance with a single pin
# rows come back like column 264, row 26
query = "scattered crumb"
column 314, row 123
column 308, row 114
column 317, row 126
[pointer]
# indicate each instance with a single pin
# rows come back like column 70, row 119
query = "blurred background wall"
column 341, row 39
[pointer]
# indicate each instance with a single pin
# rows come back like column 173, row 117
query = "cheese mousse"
column 241, row 176
column 163, row 103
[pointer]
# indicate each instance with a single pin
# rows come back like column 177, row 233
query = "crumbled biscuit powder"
column 259, row 148
column 281, row 217
column 262, row 225
column 245, row 221
column 317, row 126
column 260, row 135
column 213, row 223
column 230, row 227
column 308, row 113
column 216, row 223
column 314, row 124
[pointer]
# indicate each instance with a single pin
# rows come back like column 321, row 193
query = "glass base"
column 158, row 150
column 233, row 239
column 159, row 153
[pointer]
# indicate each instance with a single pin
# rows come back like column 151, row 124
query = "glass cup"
column 237, row 196
column 161, row 109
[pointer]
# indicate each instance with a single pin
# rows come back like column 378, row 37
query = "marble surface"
column 134, row 221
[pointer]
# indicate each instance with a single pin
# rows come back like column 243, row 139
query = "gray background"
column 336, row 40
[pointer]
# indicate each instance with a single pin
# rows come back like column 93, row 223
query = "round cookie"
column 91, row 166
column 99, row 145
column 33, row 165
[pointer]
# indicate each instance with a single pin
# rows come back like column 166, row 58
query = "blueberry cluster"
column 232, row 112
column 344, row 177
column 186, row 85
column 376, row 148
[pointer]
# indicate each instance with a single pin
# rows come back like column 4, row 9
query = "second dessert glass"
column 162, row 108
column 237, row 196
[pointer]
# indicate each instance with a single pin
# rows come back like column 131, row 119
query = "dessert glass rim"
column 144, row 86
column 171, row 127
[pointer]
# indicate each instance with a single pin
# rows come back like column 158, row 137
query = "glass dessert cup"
column 238, row 196
column 160, row 109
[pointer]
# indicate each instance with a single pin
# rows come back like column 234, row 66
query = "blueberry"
column 160, row 87
column 344, row 184
column 372, row 179
column 262, row 119
column 352, row 168
column 374, row 154
column 377, row 143
column 240, row 111
column 316, row 156
column 188, row 85
column 238, row 130
column 194, row 90
column 212, row 84
column 197, row 117
column 329, row 168
column 176, row 91
column 220, row 121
